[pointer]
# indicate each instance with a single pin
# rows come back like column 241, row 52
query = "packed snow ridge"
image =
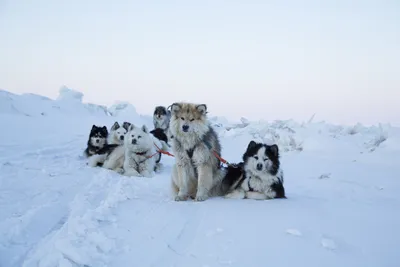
column 342, row 184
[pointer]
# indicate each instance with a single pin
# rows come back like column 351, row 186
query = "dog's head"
column 118, row 132
column 261, row 159
column 189, row 118
column 138, row 138
column 98, row 136
column 160, row 112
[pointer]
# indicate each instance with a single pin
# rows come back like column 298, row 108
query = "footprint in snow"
column 294, row 232
column 325, row 176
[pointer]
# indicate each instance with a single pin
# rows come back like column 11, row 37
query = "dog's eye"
column 265, row 159
column 192, row 120
column 139, row 136
column 256, row 157
column 133, row 135
column 182, row 118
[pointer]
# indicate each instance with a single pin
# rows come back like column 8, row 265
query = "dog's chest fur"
column 257, row 183
column 190, row 154
column 138, row 162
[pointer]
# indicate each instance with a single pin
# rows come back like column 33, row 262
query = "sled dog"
column 117, row 134
column 141, row 152
column 97, row 140
column 262, row 176
column 196, row 172
column 161, row 117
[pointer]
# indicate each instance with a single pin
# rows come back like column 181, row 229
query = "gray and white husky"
column 197, row 172
column 161, row 118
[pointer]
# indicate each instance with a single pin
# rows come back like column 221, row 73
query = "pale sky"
column 259, row 59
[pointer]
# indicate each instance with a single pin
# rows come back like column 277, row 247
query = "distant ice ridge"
column 67, row 94
column 294, row 136
column 69, row 101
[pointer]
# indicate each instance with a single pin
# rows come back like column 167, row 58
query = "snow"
column 342, row 185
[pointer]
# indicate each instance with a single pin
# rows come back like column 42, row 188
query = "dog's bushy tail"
column 227, row 179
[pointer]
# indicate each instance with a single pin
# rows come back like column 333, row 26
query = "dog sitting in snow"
column 161, row 118
column 262, row 176
column 97, row 140
column 117, row 134
column 141, row 152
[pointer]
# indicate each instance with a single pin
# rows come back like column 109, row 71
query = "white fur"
column 138, row 139
column 115, row 160
column 98, row 141
column 115, row 135
column 95, row 159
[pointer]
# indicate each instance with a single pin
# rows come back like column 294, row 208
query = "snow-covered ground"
column 342, row 183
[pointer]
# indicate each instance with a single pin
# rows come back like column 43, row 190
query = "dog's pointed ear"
column 105, row 130
column 251, row 145
column 144, row 129
column 115, row 126
column 202, row 108
column 126, row 125
column 175, row 107
column 131, row 127
column 274, row 150
column 94, row 127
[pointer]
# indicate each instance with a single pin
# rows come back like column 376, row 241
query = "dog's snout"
column 134, row 141
column 259, row 166
column 121, row 137
column 185, row 128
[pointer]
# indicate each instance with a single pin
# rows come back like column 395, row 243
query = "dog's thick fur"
column 161, row 117
column 117, row 134
column 136, row 157
column 126, row 125
column 111, row 157
column 262, row 176
column 96, row 141
column 140, row 152
column 196, row 172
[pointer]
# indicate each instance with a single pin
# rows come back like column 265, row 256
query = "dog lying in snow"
column 117, row 134
column 96, row 141
column 262, row 176
column 136, row 157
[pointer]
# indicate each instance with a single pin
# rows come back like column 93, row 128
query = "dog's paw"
column 147, row 174
column 181, row 198
column 235, row 195
column 120, row 171
column 200, row 198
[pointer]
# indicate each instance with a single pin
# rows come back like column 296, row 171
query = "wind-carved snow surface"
column 342, row 185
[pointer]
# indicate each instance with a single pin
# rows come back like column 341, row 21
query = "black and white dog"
column 97, row 140
column 262, row 176
column 161, row 118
